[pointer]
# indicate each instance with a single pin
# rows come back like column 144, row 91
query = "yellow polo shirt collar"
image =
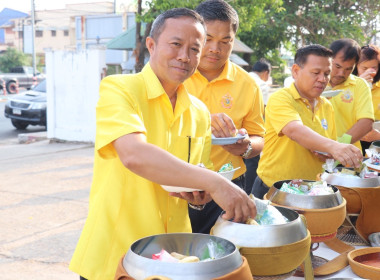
column 295, row 94
column 228, row 73
column 155, row 89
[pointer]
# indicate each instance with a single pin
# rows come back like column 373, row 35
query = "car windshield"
column 41, row 87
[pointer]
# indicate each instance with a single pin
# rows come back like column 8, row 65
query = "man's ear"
column 150, row 44
column 295, row 70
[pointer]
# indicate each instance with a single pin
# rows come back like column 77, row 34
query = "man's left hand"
column 240, row 146
column 196, row 197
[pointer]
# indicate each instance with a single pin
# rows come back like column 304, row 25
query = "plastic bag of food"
column 226, row 167
column 164, row 256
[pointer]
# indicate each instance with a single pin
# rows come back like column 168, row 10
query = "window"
column 53, row 33
column 39, row 33
column 20, row 34
column 65, row 32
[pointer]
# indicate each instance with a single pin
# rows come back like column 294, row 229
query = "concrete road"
column 44, row 190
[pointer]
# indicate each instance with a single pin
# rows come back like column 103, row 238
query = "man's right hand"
column 222, row 126
column 235, row 202
column 347, row 154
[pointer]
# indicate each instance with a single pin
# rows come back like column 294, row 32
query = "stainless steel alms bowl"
column 375, row 145
column 139, row 264
column 244, row 235
column 303, row 201
column 350, row 182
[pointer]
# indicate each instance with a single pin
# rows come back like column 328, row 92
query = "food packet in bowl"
column 267, row 214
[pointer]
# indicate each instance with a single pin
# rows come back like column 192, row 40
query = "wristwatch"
column 197, row 207
column 249, row 150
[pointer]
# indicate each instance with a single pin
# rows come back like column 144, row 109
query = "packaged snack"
column 226, row 167
column 267, row 214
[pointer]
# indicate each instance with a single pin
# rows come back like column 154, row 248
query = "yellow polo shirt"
column 352, row 104
column 123, row 206
column 283, row 158
column 376, row 100
column 236, row 94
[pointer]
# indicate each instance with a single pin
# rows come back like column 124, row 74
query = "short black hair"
column 261, row 66
column 369, row 52
column 302, row 53
column 350, row 48
column 159, row 22
column 212, row 10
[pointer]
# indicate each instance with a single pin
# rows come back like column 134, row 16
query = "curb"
column 26, row 138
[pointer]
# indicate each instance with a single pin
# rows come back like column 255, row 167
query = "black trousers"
column 250, row 175
column 202, row 221
column 259, row 189
column 365, row 145
column 82, row 278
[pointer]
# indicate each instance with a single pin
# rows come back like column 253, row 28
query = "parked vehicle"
column 23, row 75
column 27, row 108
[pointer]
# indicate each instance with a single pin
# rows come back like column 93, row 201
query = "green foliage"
column 267, row 25
column 13, row 58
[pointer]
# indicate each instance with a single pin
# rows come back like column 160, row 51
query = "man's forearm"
column 360, row 129
column 257, row 144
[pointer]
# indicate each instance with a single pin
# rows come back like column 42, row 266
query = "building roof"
column 239, row 46
column 6, row 15
column 238, row 60
column 127, row 41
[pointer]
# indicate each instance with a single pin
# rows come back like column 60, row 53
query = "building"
column 7, row 32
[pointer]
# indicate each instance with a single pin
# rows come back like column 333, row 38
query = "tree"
column 266, row 25
column 154, row 8
column 249, row 15
column 12, row 58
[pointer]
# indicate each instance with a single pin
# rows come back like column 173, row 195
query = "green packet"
column 226, row 167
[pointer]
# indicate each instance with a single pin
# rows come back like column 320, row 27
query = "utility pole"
column 33, row 44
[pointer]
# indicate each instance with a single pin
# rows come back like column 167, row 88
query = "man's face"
column 312, row 78
column 219, row 43
column 341, row 69
column 175, row 54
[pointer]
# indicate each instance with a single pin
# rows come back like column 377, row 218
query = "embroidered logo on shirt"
column 347, row 96
column 226, row 101
column 324, row 124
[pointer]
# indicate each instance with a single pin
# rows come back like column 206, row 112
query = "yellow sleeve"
column 254, row 121
column 363, row 101
column 117, row 114
column 281, row 110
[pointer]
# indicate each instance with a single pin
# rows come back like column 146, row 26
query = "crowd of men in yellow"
column 155, row 127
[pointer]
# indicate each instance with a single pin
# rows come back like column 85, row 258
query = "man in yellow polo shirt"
column 233, row 98
column 151, row 132
column 299, row 123
column 353, row 106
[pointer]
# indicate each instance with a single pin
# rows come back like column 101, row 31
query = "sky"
column 25, row 5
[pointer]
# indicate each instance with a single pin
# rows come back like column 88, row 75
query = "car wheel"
column 12, row 87
column 19, row 124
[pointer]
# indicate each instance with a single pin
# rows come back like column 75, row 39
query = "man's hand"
column 240, row 146
column 222, row 126
column 196, row 197
column 368, row 75
column 235, row 202
column 347, row 154
column 321, row 155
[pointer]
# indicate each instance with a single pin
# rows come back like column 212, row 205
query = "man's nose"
column 183, row 55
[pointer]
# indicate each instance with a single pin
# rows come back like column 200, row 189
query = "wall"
column 73, row 79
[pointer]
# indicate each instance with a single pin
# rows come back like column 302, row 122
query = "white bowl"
column 376, row 125
column 229, row 174
column 178, row 189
